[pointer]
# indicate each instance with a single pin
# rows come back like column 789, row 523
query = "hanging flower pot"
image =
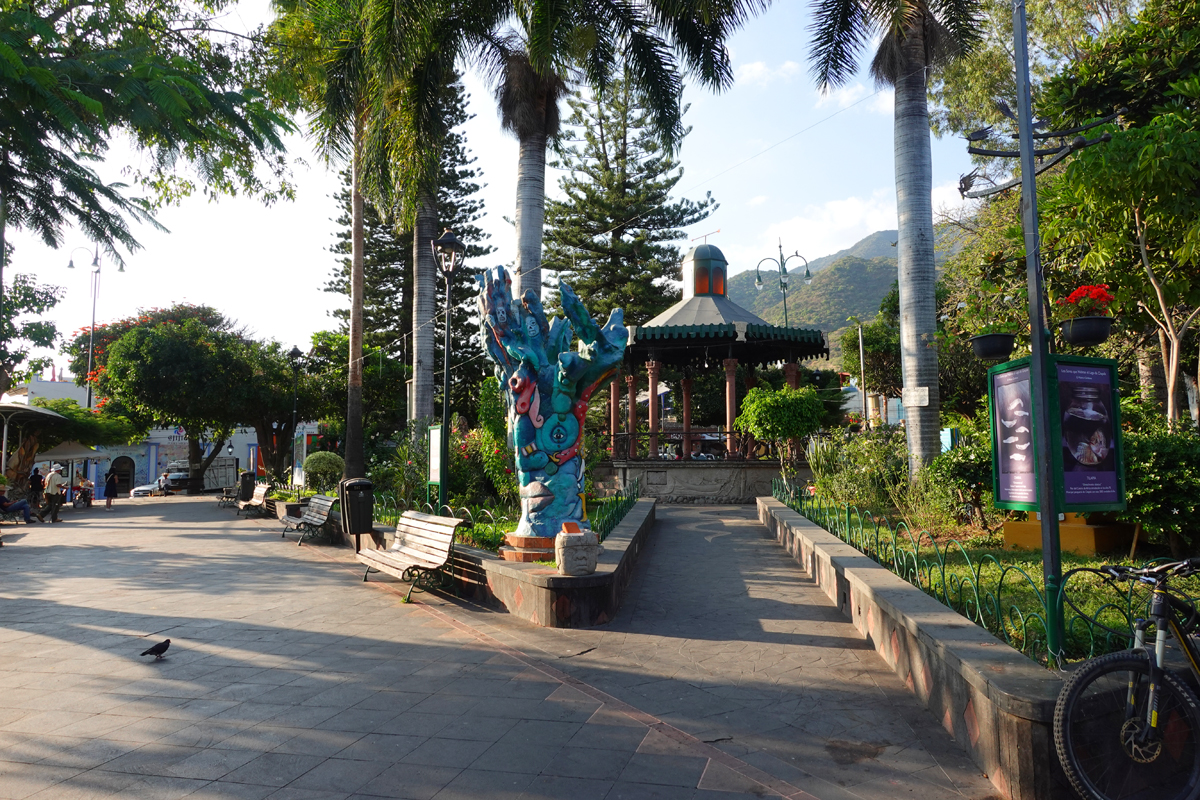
column 1086, row 331
column 993, row 346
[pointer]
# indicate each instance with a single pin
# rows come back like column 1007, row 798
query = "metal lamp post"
column 92, row 330
column 449, row 251
column 294, row 355
column 781, row 263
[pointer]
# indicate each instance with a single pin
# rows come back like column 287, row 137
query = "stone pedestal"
column 576, row 551
column 527, row 548
column 1075, row 534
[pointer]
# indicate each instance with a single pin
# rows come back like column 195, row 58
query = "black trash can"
column 245, row 486
column 358, row 505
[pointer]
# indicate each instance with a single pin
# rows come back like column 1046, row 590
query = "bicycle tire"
column 1090, row 718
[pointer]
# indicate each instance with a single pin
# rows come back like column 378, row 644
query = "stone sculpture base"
column 527, row 548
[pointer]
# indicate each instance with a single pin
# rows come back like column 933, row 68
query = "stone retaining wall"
column 700, row 482
column 996, row 702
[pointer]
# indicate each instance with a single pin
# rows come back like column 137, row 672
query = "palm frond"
column 840, row 30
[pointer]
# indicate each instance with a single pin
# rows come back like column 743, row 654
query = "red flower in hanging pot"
column 1087, row 301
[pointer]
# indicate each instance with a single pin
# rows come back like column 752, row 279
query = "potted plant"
column 994, row 341
column 1086, row 316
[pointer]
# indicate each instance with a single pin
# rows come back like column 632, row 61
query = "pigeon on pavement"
column 158, row 650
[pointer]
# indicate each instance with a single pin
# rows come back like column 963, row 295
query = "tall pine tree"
column 388, row 269
column 613, row 238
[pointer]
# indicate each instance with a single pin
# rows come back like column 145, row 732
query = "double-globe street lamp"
column 294, row 356
column 92, row 330
column 781, row 263
column 449, row 252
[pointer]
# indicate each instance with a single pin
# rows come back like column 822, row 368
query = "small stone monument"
column 576, row 551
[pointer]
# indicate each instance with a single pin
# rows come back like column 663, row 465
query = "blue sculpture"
column 546, row 387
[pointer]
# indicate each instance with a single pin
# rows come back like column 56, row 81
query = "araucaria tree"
column 914, row 36
column 613, row 237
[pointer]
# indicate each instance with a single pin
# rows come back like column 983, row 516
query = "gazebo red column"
column 631, row 417
column 686, row 383
column 614, row 415
column 730, row 401
column 791, row 372
column 652, row 368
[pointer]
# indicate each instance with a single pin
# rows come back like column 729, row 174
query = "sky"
column 783, row 161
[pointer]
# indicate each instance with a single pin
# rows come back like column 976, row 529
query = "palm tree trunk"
column 916, row 273
column 355, row 457
column 531, row 212
column 424, row 305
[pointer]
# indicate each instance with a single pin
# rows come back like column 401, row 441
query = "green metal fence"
column 1003, row 598
column 613, row 509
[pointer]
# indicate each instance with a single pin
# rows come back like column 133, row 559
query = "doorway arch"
column 124, row 467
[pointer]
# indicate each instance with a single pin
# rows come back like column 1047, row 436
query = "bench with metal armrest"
column 257, row 503
column 311, row 519
column 420, row 553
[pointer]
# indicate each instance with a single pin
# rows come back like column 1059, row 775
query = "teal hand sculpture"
column 546, row 387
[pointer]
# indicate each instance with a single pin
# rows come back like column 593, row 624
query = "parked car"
column 176, row 482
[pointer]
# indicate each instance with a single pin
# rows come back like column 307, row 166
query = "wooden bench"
column 419, row 554
column 257, row 503
column 228, row 497
column 312, row 517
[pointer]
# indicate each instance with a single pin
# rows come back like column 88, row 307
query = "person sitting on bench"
column 13, row 506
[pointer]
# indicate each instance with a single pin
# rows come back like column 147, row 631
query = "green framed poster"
column 435, row 461
column 1085, row 429
column 1014, row 453
column 1089, row 467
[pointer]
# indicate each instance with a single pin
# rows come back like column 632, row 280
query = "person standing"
column 36, row 484
column 110, row 489
column 56, row 484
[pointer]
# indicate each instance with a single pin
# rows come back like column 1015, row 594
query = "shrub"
column 966, row 471
column 323, row 468
column 781, row 417
column 1162, row 482
column 864, row 469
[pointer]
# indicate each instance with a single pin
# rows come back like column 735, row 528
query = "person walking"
column 55, row 485
column 110, row 489
column 13, row 506
column 36, row 484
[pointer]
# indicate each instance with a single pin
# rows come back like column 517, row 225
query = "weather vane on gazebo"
column 705, row 236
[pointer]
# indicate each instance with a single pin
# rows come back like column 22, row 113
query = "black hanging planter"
column 1086, row 331
column 993, row 346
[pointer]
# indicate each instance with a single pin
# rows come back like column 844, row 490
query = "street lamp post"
column 781, row 263
column 92, row 329
column 294, row 354
column 448, row 250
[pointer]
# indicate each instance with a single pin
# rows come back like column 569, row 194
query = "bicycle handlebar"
column 1119, row 572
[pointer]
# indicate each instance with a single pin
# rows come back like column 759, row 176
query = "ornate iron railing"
column 1000, row 597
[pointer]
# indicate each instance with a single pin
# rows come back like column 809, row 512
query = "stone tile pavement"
column 727, row 675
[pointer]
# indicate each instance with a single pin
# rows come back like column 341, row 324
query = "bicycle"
column 1125, row 726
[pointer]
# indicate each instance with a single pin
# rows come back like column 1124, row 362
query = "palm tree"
column 915, row 36
column 338, row 90
column 593, row 42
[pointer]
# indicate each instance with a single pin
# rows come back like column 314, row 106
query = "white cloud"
column 946, row 197
column 820, row 230
column 757, row 73
column 857, row 93
column 757, row 201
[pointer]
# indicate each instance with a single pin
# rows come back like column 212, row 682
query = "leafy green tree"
column 75, row 74
column 264, row 402
column 1162, row 481
column 613, row 238
column 782, row 416
column 23, row 327
column 914, row 36
column 1133, row 206
column 964, row 92
column 180, row 374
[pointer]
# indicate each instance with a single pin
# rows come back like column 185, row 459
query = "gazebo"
column 703, row 328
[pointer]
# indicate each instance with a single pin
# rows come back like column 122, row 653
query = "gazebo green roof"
column 707, row 326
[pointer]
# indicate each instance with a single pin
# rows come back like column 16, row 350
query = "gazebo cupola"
column 704, row 272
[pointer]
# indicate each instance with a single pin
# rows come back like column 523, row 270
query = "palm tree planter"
column 1086, row 331
column 993, row 346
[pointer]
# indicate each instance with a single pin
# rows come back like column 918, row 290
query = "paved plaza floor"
column 726, row 675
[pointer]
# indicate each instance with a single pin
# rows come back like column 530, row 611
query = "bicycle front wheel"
column 1102, row 737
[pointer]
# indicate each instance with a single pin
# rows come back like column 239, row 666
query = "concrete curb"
column 990, row 697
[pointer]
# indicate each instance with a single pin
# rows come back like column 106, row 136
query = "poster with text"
column 1014, row 436
column 1089, row 446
